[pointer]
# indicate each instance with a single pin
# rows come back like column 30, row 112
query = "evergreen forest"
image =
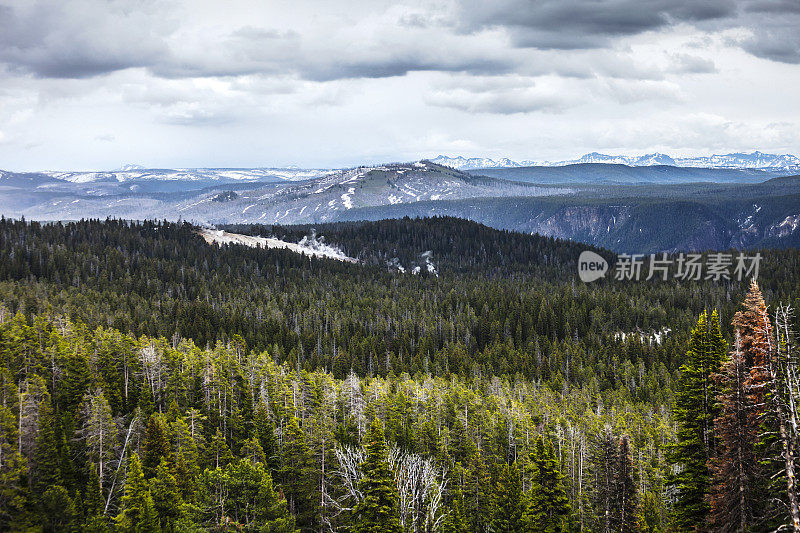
column 150, row 382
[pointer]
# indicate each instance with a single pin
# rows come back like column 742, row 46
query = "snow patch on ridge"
column 312, row 245
column 346, row 197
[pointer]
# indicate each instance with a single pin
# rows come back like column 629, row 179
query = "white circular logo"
column 591, row 266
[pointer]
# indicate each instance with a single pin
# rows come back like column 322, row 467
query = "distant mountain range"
column 321, row 199
column 593, row 167
column 754, row 160
column 624, row 208
column 137, row 173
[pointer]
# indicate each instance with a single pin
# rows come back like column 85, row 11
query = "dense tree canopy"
column 150, row 382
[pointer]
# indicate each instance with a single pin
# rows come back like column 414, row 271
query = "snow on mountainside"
column 328, row 198
column 311, row 246
column 741, row 160
column 596, row 157
column 462, row 163
column 134, row 176
column 754, row 160
column 320, row 199
column 649, row 160
column 130, row 173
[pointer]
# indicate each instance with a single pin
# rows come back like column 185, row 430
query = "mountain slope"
column 587, row 173
column 670, row 208
column 638, row 220
column 315, row 200
column 754, row 160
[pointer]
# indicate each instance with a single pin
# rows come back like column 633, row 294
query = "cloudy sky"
column 95, row 84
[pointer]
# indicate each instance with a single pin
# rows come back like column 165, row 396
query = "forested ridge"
column 151, row 382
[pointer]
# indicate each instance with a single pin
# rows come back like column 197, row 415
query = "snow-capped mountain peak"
column 462, row 163
column 754, row 160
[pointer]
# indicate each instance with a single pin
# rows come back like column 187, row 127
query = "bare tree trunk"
column 788, row 435
column 121, row 458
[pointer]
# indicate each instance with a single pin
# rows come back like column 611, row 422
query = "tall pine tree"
column 297, row 475
column 133, row 502
column 377, row 512
column 694, row 411
column 548, row 506
column 508, row 516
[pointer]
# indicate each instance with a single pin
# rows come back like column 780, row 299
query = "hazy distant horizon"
column 534, row 161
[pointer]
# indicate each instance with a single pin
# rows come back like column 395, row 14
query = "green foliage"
column 455, row 521
column 509, row 507
column 47, row 457
column 94, row 504
column 694, row 411
column 240, row 376
column 137, row 492
column 167, row 501
column 156, row 444
column 58, row 509
column 549, row 510
column 297, row 473
column 377, row 511
column 265, row 428
column 148, row 517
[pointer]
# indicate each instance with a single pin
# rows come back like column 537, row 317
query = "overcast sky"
column 95, row 84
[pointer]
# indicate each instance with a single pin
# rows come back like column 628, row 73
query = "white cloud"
column 203, row 83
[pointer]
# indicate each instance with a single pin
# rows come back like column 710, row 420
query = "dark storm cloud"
column 53, row 41
column 89, row 38
column 773, row 6
column 776, row 29
column 56, row 42
column 779, row 43
column 400, row 65
column 575, row 24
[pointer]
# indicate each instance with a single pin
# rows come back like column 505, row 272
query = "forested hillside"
column 151, row 382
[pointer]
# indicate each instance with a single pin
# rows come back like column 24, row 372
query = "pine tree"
column 548, row 508
column 187, row 458
column 478, row 494
column 253, row 502
column 156, row 444
column 148, row 518
column 58, row 509
column 219, row 454
column 98, row 430
column 775, row 498
column 133, row 501
column 14, row 496
column 297, row 475
column 272, row 512
column 740, row 494
column 167, row 501
column 94, row 506
column 377, row 512
column 252, row 451
column 735, row 465
column 508, row 506
column 265, row 428
column 604, row 464
column 694, row 412
column 455, row 522
column 46, row 457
